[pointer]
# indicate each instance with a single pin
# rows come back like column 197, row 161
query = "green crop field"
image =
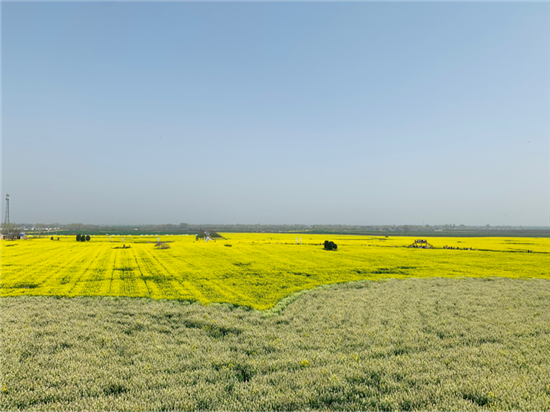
column 255, row 270
column 414, row 344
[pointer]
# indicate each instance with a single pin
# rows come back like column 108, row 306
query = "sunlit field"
column 373, row 325
column 255, row 270
column 414, row 344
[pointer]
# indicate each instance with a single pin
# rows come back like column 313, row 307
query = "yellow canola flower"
column 255, row 270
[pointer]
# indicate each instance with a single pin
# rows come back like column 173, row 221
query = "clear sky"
column 344, row 113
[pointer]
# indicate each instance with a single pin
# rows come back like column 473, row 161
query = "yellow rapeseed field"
column 255, row 270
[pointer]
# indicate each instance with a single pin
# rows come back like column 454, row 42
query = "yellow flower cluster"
column 257, row 270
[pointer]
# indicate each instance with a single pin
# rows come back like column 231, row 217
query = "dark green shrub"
column 78, row 238
column 88, row 238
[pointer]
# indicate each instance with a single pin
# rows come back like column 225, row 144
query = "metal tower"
column 7, row 217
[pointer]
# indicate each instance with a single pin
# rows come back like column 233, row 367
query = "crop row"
column 255, row 270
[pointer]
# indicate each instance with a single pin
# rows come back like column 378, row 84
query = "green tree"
column 88, row 238
column 78, row 237
column 329, row 245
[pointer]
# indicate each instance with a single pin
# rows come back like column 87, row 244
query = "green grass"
column 412, row 344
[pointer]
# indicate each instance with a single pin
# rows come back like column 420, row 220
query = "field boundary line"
column 281, row 305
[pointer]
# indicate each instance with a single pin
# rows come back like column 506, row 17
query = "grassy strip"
column 414, row 344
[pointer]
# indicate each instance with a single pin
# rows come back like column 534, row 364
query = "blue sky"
column 351, row 113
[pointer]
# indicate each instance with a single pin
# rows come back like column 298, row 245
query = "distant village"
column 42, row 229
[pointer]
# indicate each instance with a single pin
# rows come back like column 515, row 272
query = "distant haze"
column 312, row 113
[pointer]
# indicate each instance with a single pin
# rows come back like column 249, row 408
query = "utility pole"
column 7, row 216
column 6, row 227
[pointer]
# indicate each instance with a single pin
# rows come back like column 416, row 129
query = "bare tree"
column 10, row 231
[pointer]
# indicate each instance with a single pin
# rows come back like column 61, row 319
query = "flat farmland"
column 254, row 270
column 374, row 325
column 437, row 344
